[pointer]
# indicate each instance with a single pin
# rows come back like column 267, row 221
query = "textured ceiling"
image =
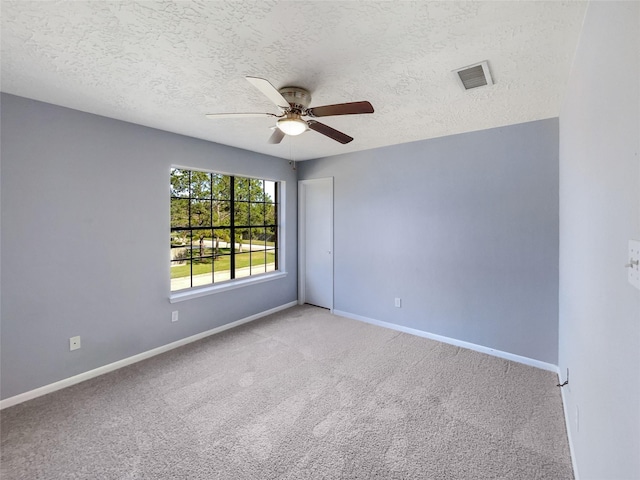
column 165, row 64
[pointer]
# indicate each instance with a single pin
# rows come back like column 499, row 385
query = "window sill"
column 196, row 292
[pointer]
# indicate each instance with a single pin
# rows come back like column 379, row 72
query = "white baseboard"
column 452, row 341
column 67, row 382
column 567, row 423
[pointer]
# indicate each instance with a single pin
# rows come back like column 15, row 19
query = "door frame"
column 302, row 245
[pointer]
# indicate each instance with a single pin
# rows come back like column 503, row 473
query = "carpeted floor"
column 301, row 394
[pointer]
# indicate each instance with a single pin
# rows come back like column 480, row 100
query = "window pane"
column 241, row 213
column 256, row 190
column 242, row 240
column 179, row 212
column 269, row 191
column 179, row 259
column 257, row 251
column 258, row 193
column 257, row 268
column 221, row 186
column 272, row 235
column 202, row 271
column 242, row 264
column 179, row 182
column 257, row 211
column 188, row 243
column 270, row 217
column 258, row 260
column 180, row 275
column 272, row 264
column 222, row 255
column 179, row 238
column 258, row 236
column 241, row 188
column 203, row 247
column 177, row 256
column 200, row 185
column 200, row 213
column 222, row 268
column 221, row 213
column 221, row 241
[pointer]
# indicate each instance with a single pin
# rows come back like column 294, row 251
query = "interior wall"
column 599, row 213
column 85, row 230
column 464, row 229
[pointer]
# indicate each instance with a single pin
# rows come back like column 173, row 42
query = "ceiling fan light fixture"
column 292, row 125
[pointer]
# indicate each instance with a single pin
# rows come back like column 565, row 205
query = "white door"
column 315, row 202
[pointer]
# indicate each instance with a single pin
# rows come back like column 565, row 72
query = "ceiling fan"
column 293, row 103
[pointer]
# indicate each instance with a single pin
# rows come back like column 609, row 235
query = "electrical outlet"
column 174, row 316
column 74, row 343
column 398, row 302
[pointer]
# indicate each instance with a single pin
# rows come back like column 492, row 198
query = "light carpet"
column 301, row 394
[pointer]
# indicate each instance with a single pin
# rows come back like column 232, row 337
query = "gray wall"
column 599, row 213
column 85, row 225
column 463, row 228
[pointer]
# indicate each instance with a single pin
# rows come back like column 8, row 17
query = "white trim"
column 452, row 341
column 182, row 295
column 567, row 423
column 67, row 382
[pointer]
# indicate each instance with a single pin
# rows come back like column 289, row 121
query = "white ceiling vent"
column 473, row 76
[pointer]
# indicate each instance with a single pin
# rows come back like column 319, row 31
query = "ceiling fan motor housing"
column 298, row 98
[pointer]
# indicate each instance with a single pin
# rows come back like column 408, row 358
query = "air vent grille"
column 474, row 76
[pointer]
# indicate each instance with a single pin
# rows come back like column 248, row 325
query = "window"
column 223, row 227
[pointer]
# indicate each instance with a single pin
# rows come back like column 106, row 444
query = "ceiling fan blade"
column 276, row 136
column 329, row 132
column 350, row 108
column 269, row 91
column 239, row 115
